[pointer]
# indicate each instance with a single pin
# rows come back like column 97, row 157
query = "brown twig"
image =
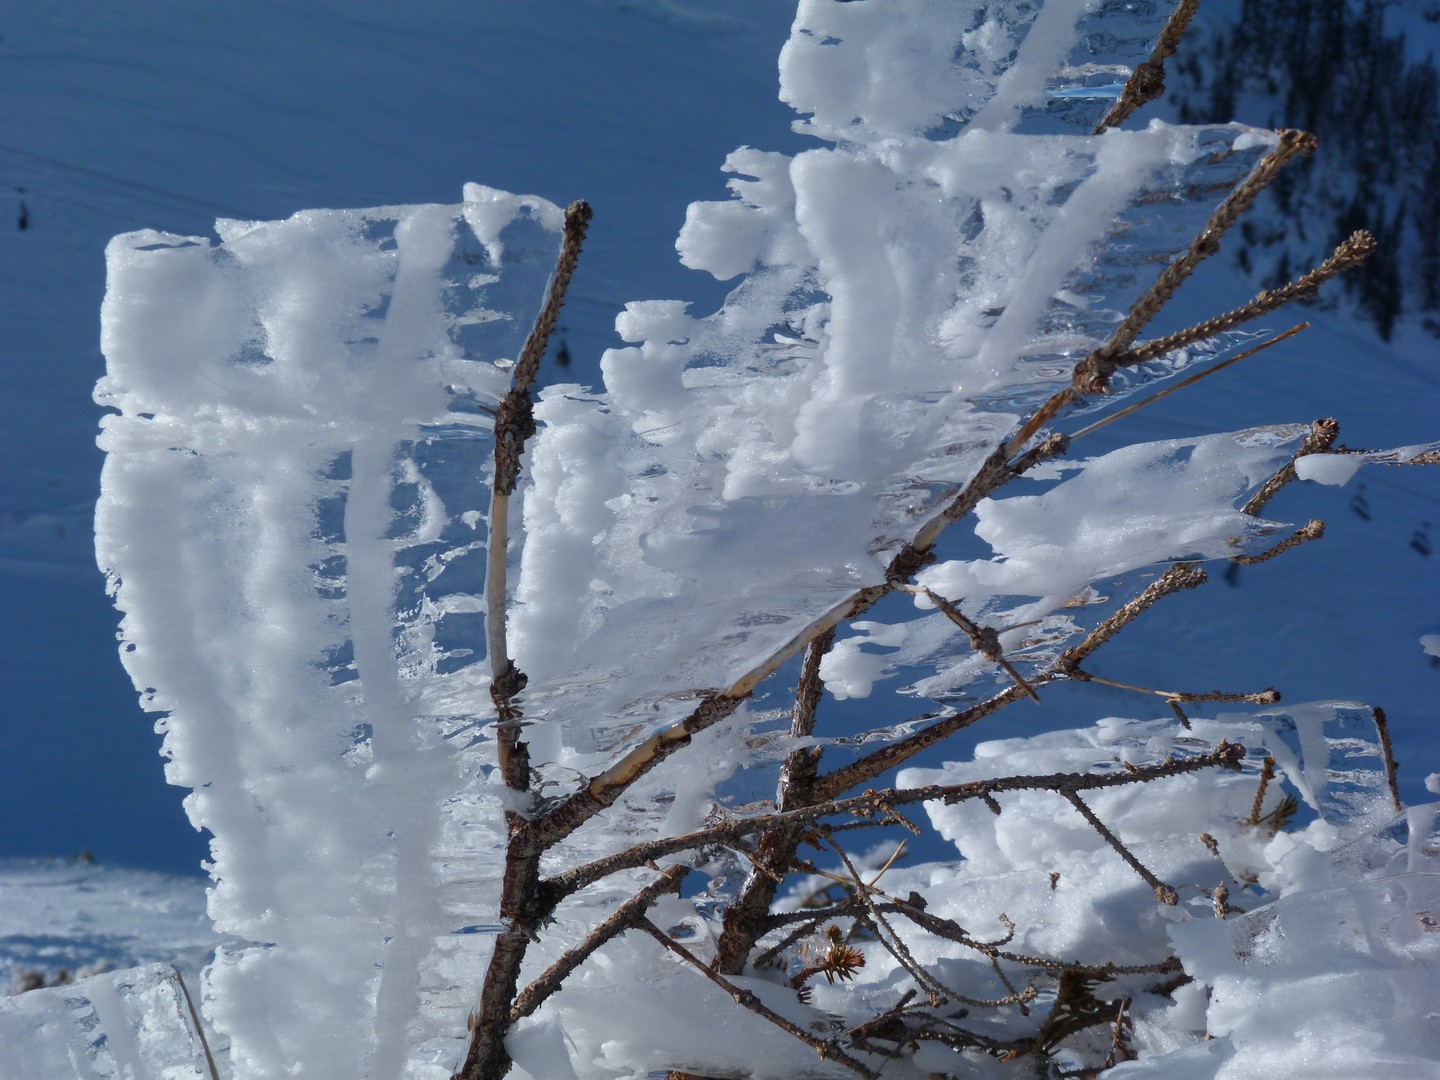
column 522, row 907
column 1164, row 893
column 1147, row 81
column 1268, row 696
column 1322, row 436
column 603, row 789
column 1267, row 773
column 1190, row 381
column 1311, row 530
column 1092, row 375
column 1178, row 577
column 983, row 639
column 744, row 919
column 871, row 803
column 1350, row 253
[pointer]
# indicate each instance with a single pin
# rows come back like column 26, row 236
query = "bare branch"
column 1092, row 375
column 602, row 790
column 1178, row 577
column 984, row 639
column 1311, row 530
column 744, row 919
column 1349, row 254
column 1190, row 380
column 1267, row 773
column 1382, row 727
column 1268, row 696
column 514, row 424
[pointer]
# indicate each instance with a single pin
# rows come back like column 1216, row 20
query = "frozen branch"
column 1321, row 438
column 872, row 803
column 1147, row 81
column 828, row 1049
column 1164, row 893
column 626, row 917
column 1358, row 247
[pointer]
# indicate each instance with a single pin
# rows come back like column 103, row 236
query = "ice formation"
column 286, row 522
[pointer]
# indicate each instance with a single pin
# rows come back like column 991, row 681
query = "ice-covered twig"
column 1147, row 81
column 1268, row 696
column 1267, row 773
column 1092, row 375
column 1349, row 254
column 603, row 789
column 626, row 917
column 1311, row 530
column 828, row 1049
column 514, row 424
column 1190, row 380
column 871, row 803
column 1178, row 577
column 1322, row 436
column 889, row 939
column 984, row 639
column 522, row 905
column 743, row 922
column 1387, row 750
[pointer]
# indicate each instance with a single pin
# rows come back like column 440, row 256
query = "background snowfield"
column 170, row 114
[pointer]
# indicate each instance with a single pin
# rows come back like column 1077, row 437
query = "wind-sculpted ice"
column 287, row 520
column 908, row 295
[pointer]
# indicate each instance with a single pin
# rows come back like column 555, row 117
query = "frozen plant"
column 576, row 739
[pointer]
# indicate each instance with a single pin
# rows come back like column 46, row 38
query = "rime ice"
column 301, row 427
